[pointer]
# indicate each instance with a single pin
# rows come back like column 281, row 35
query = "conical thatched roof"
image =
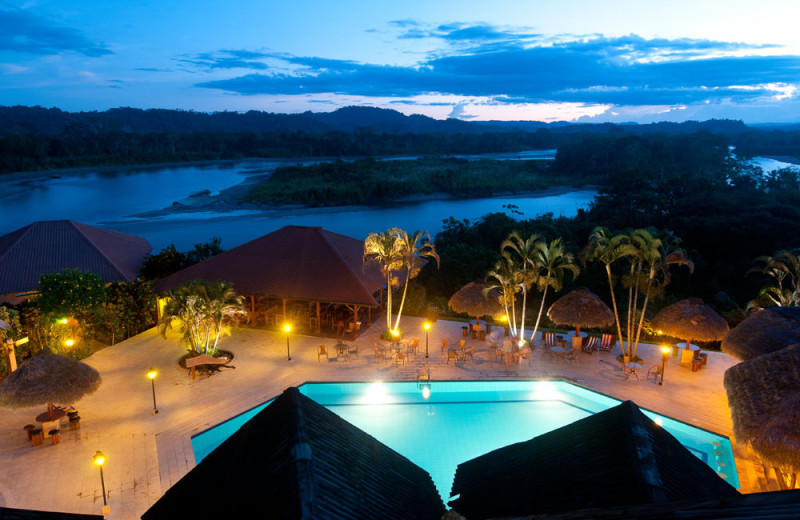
column 691, row 319
column 764, row 396
column 47, row 379
column 581, row 308
column 471, row 300
column 763, row 332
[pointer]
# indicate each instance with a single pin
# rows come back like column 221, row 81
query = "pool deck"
column 147, row 453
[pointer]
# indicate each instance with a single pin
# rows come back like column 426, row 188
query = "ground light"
column 288, row 328
column 99, row 459
column 151, row 374
column 664, row 356
column 427, row 327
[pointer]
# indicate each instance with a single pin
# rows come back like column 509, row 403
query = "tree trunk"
column 403, row 300
column 541, row 307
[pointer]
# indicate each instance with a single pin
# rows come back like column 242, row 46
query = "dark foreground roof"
column 779, row 505
column 613, row 458
column 52, row 246
column 296, row 262
column 7, row 513
column 762, row 332
column 296, row 459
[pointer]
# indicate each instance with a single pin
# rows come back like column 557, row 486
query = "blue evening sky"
column 573, row 60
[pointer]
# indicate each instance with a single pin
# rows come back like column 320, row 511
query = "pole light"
column 427, row 327
column 664, row 356
column 99, row 459
column 288, row 328
column 151, row 374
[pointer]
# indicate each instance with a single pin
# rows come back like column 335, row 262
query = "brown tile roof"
column 296, row 262
column 52, row 246
column 297, row 459
column 613, row 458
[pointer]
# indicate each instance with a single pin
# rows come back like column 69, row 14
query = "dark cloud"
column 627, row 70
column 24, row 31
column 227, row 59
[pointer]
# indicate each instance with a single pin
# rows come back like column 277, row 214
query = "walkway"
column 146, row 454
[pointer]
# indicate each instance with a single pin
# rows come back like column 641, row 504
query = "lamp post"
column 664, row 356
column 152, row 373
column 99, row 459
column 427, row 327
column 288, row 328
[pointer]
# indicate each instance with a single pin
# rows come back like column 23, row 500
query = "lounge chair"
column 607, row 342
column 590, row 345
column 549, row 341
column 322, row 350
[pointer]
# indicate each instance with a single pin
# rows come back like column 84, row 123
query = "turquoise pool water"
column 460, row 420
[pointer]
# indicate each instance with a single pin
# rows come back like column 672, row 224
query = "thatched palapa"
column 764, row 332
column 764, row 396
column 475, row 300
column 691, row 319
column 48, row 379
column 581, row 308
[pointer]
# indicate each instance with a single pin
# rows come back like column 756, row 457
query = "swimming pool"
column 460, row 420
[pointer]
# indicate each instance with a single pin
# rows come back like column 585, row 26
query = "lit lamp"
column 99, row 459
column 664, row 356
column 288, row 328
column 151, row 374
column 427, row 327
column 69, row 342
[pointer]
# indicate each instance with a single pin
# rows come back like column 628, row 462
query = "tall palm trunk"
column 644, row 309
column 614, row 303
column 403, row 300
column 541, row 307
column 389, row 299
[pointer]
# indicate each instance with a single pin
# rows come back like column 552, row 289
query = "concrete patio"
column 146, row 454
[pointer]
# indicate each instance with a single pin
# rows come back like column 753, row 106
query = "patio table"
column 687, row 354
column 342, row 350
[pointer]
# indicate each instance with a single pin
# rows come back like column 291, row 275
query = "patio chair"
column 322, row 350
column 353, row 351
column 452, row 354
column 462, row 343
column 524, row 356
column 398, row 357
column 497, row 352
column 412, row 347
column 654, row 371
column 571, row 356
column 380, row 353
column 469, row 352
column 607, row 343
column 445, row 345
column 590, row 345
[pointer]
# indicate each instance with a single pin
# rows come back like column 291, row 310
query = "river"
column 116, row 199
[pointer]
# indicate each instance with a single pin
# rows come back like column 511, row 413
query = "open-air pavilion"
column 308, row 276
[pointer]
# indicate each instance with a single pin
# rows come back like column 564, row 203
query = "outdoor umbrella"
column 473, row 299
column 763, row 332
column 764, row 397
column 691, row 319
column 48, row 379
column 580, row 308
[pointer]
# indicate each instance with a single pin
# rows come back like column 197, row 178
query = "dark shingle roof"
column 52, row 246
column 296, row 459
column 303, row 263
column 613, row 458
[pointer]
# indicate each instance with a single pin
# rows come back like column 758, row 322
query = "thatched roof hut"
column 581, row 308
column 691, row 319
column 48, row 379
column 473, row 299
column 764, row 396
column 764, row 331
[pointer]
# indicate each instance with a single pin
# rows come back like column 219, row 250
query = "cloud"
column 27, row 32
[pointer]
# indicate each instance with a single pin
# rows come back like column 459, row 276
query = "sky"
column 563, row 60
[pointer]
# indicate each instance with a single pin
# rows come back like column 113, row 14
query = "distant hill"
column 21, row 120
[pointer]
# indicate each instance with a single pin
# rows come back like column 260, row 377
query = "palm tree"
column 503, row 275
column 384, row 249
column 784, row 267
column 414, row 249
column 522, row 252
column 554, row 262
column 204, row 310
column 608, row 248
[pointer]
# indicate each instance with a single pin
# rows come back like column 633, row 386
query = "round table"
column 580, row 335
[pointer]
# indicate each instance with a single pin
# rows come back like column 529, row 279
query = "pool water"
column 460, row 420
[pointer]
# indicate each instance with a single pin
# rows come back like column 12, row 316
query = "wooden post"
column 12, row 357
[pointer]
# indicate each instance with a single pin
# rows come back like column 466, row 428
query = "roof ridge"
column 644, row 454
column 74, row 224
column 302, row 454
column 344, row 261
column 16, row 242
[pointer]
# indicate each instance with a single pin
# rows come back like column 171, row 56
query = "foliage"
column 170, row 260
column 414, row 250
column 384, row 249
column 204, row 310
column 14, row 332
column 783, row 267
column 45, row 330
column 128, row 311
column 204, row 251
column 70, row 292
